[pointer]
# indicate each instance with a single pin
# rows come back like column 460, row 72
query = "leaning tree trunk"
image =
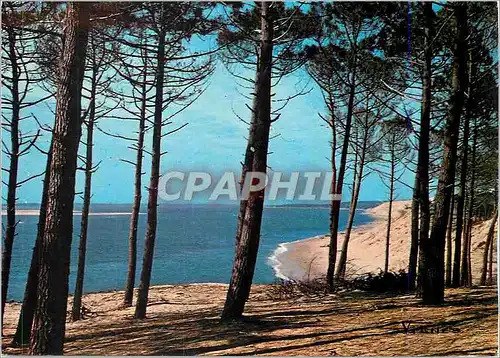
column 422, row 175
column 87, row 193
column 333, row 186
column 415, row 208
column 149, row 242
column 490, row 269
column 489, row 240
column 433, row 270
column 22, row 335
column 335, row 206
column 341, row 268
column 389, row 213
column 355, row 165
column 50, row 315
column 449, row 240
column 136, row 206
column 10, row 231
column 248, row 242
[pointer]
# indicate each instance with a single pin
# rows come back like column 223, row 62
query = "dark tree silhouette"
column 488, row 249
column 175, row 82
column 449, row 240
column 20, row 76
column 272, row 49
column 395, row 150
column 99, row 59
column 50, row 315
column 433, row 249
column 337, row 68
column 249, row 229
column 422, row 175
column 22, row 335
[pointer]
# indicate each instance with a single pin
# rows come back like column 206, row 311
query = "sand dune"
column 366, row 253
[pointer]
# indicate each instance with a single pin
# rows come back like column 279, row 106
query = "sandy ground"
column 184, row 320
column 366, row 251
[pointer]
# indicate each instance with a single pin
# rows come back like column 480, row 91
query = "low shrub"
column 382, row 282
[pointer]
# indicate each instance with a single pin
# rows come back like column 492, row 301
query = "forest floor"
column 184, row 320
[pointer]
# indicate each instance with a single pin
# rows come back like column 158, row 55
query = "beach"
column 184, row 320
column 308, row 258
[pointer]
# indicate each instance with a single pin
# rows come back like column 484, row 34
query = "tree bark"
column 433, row 270
column 462, row 189
column 469, row 246
column 22, row 335
column 248, row 242
column 414, row 245
column 465, row 274
column 149, row 243
column 335, row 206
column 50, row 315
column 449, row 241
column 341, row 268
column 490, row 273
column 422, row 176
column 10, row 231
column 247, row 162
column 389, row 213
column 136, row 206
column 87, row 193
column 487, row 245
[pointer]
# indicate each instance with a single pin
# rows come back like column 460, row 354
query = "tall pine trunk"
column 22, row 335
column 414, row 245
column 247, row 161
column 490, row 269
column 136, row 206
column 465, row 274
column 249, row 229
column 469, row 246
column 487, row 248
column 433, row 270
column 87, row 193
column 449, row 241
column 389, row 213
column 422, row 175
column 10, row 231
column 50, row 315
column 149, row 242
column 341, row 268
column 462, row 189
column 335, row 206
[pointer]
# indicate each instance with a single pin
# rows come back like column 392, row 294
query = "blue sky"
column 213, row 141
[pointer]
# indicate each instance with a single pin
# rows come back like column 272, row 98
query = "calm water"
column 195, row 243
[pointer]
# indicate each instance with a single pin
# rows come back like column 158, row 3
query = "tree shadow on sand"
column 293, row 328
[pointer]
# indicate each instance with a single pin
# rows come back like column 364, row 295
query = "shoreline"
column 307, row 258
column 303, row 259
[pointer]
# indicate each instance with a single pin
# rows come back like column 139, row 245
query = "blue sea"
column 194, row 243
